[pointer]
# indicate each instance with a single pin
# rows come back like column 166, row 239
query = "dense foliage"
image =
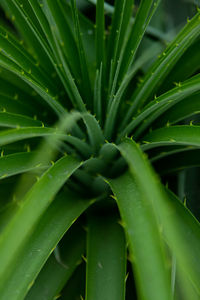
column 96, row 135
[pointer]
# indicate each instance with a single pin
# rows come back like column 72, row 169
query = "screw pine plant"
column 92, row 127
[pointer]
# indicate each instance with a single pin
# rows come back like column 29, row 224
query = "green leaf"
column 186, row 108
column 175, row 162
column 87, row 34
column 42, row 20
column 13, row 135
column 119, row 28
column 106, row 259
column 174, row 135
column 150, row 31
column 15, row 106
column 14, row 120
column 63, row 32
column 52, row 51
column 69, row 83
column 163, row 209
column 147, row 255
column 15, row 52
column 118, row 98
column 59, row 266
column 117, row 42
column 15, row 85
column 158, row 72
column 160, row 105
column 42, row 91
column 159, row 153
column 98, row 95
column 18, row 163
column 94, row 131
column 82, row 57
column 100, row 34
column 189, row 228
column 18, row 230
column 75, row 287
column 18, row 134
column 186, row 66
column 146, row 10
column 29, row 31
column 57, row 219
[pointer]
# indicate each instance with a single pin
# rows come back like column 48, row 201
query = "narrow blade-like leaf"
column 30, row 210
column 106, row 259
column 147, row 255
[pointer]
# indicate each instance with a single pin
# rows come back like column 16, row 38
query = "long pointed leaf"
column 94, row 131
column 18, row 163
column 120, row 22
column 100, row 34
column 29, row 211
column 176, row 162
column 164, row 210
column 59, row 266
column 143, row 17
column 174, row 135
column 42, row 90
column 158, row 71
column 106, row 263
column 82, row 57
column 15, row 120
column 28, row 32
column 58, row 218
column 147, row 255
column 180, row 111
column 160, row 105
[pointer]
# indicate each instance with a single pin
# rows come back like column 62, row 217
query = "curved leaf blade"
column 174, row 135
column 18, row 163
column 30, row 210
column 158, row 71
column 15, row 121
column 57, row 219
column 147, row 255
column 164, row 210
column 176, row 162
column 160, row 105
column 146, row 10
